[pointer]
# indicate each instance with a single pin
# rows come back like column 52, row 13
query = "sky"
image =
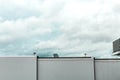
column 68, row 27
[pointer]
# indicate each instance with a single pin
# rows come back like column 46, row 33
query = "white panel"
column 107, row 69
column 66, row 69
column 17, row 68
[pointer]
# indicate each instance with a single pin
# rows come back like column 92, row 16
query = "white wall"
column 107, row 69
column 25, row 68
column 17, row 68
column 65, row 69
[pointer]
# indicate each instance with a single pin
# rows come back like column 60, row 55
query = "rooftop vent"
column 55, row 55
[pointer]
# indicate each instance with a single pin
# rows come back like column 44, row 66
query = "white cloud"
column 90, row 27
column 24, row 27
column 84, row 26
column 22, row 34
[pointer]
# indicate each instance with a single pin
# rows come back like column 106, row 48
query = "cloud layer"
column 67, row 27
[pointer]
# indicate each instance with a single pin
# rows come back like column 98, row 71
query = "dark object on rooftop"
column 55, row 55
column 34, row 53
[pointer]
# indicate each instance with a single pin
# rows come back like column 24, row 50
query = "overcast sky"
column 67, row 27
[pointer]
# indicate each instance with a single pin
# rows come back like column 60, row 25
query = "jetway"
column 61, row 68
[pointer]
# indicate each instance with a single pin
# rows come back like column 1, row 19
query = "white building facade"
column 62, row 68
